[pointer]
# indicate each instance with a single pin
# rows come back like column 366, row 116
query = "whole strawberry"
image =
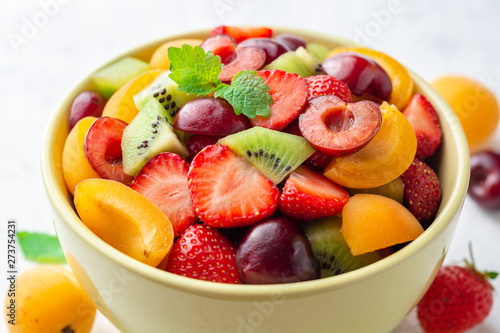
column 458, row 299
column 203, row 253
column 422, row 192
column 320, row 85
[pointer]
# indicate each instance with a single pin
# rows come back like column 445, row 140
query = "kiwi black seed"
column 165, row 91
column 148, row 134
column 331, row 250
column 275, row 154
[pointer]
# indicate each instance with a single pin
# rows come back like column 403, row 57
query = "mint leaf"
column 194, row 70
column 248, row 94
column 41, row 248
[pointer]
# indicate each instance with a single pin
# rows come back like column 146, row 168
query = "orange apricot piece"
column 121, row 105
column 383, row 159
column 76, row 167
column 124, row 219
column 475, row 106
column 402, row 83
column 49, row 299
column 160, row 60
column 372, row 222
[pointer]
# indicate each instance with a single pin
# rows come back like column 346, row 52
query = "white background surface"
column 431, row 37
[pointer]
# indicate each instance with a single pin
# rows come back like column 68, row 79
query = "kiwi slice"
column 109, row 79
column 165, row 91
column 147, row 135
column 275, row 154
column 393, row 190
column 300, row 62
column 318, row 51
column 331, row 250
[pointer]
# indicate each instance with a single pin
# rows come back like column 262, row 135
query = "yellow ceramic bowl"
column 139, row 298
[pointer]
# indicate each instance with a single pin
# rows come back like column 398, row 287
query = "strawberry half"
column 425, row 122
column 163, row 180
column 422, row 192
column 308, row 195
column 458, row 299
column 240, row 34
column 289, row 93
column 320, row 85
column 203, row 253
column 102, row 147
column 227, row 191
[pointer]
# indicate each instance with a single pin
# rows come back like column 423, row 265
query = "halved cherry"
column 102, row 147
column 221, row 45
column 247, row 58
column 337, row 128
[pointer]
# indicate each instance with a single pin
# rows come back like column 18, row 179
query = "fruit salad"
column 249, row 157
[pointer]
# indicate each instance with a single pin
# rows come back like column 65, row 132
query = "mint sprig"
column 194, row 70
column 248, row 94
column 197, row 72
column 41, row 248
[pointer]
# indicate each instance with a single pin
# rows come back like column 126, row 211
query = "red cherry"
column 484, row 186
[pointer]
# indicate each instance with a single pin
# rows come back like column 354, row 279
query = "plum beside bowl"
column 139, row 298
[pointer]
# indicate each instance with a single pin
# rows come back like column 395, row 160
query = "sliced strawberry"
column 422, row 193
column 227, row 191
column 320, row 85
column 199, row 141
column 289, row 93
column 222, row 45
column 309, row 195
column 102, row 147
column 317, row 160
column 247, row 58
column 240, row 34
column 425, row 122
column 163, row 180
column 203, row 253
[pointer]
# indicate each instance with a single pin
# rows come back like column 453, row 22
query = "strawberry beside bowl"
column 138, row 298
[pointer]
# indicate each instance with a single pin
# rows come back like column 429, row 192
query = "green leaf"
column 194, row 70
column 248, row 94
column 40, row 247
column 492, row 275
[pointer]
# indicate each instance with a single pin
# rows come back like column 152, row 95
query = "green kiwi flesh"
column 318, row 51
column 300, row 62
column 148, row 134
column 165, row 91
column 275, row 154
column 393, row 190
column 331, row 250
column 109, row 79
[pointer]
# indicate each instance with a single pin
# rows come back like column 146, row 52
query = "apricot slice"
column 383, row 159
column 124, row 219
column 159, row 59
column 402, row 83
column 121, row 105
column 76, row 167
column 372, row 222
column 49, row 299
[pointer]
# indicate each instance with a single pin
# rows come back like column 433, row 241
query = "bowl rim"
column 227, row 291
